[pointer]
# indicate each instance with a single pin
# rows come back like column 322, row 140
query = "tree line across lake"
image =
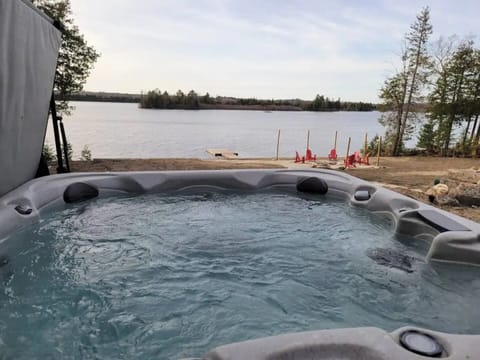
column 156, row 99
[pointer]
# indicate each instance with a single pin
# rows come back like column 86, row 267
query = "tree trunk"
column 456, row 96
column 448, row 134
column 464, row 141
column 397, row 133
column 474, row 128
column 476, row 139
column 475, row 99
column 477, row 136
column 410, row 95
column 398, row 137
column 438, row 135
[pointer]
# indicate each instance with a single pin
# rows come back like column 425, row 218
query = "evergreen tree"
column 76, row 57
column 167, row 101
column 452, row 98
column 192, row 100
column 401, row 91
column 443, row 51
column 473, row 103
column 393, row 95
column 207, row 99
column 426, row 139
column 179, row 99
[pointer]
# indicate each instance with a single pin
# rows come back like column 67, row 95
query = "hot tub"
column 228, row 256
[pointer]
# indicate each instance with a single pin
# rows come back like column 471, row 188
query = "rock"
column 446, row 199
column 468, row 194
column 468, row 200
column 439, row 189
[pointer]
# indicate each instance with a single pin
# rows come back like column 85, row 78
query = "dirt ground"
column 168, row 164
column 411, row 176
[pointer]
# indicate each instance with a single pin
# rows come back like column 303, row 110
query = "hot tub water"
column 170, row 276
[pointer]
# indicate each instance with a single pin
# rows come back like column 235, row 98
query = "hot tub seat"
column 367, row 343
column 453, row 239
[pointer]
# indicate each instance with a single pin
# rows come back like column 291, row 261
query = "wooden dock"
column 223, row 153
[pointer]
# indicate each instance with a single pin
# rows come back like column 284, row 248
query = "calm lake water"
column 114, row 130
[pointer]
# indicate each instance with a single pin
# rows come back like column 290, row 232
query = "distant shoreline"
column 266, row 108
column 192, row 101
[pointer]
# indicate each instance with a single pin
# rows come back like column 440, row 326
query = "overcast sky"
column 257, row 48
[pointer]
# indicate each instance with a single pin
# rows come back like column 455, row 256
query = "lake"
column 116, row 130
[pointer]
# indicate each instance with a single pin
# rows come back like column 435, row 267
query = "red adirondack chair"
column 308, row 155
column 356, row 157
column 350, row 161
column 297, row 157
column 366, row 159
column 332, row 155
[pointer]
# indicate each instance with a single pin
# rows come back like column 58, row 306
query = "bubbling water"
column 162, row 276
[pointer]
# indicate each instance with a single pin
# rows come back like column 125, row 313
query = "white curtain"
column 29, row 46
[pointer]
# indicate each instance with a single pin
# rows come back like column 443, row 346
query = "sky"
column 278, row 49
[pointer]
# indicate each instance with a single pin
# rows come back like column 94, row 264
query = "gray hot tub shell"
column 452, row 239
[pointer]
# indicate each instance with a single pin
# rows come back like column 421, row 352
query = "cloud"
column 249, row 48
